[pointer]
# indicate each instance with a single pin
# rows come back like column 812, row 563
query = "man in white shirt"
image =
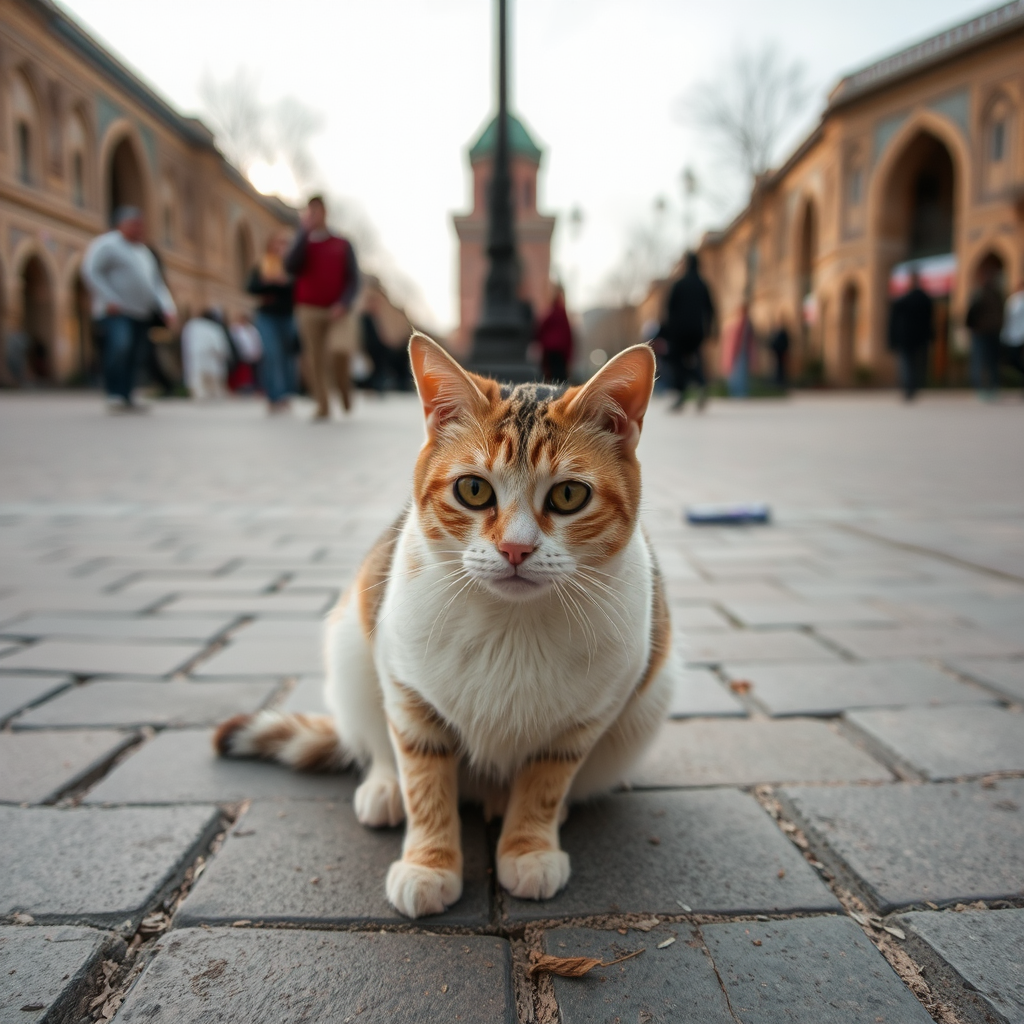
column 127, row 290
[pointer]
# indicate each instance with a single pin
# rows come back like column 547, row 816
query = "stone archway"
column 125, row 182
column 916, row 224
column 37, row 320
column 849, row 322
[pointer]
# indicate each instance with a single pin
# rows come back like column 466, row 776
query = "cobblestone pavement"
column 831, row 828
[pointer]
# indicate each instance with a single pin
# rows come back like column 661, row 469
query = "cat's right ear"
column 446, row 390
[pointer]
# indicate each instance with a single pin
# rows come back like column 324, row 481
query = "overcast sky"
column 405, row 85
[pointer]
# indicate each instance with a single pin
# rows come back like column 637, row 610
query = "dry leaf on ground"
column 571, row 966
column 741, row 686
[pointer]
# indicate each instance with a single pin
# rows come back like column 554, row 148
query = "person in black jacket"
column 690, row 314
column 911, row 330
column 270, row 281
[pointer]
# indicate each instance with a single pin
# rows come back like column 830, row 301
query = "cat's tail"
column 309, row 743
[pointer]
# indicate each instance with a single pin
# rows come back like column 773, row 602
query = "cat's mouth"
column 514, row 585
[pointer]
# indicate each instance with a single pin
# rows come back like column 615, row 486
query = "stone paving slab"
column 827, row 690
column 822, row 970
column 947, row 743
column 282, row 656
column 307, row 695
column 70, row 600
column 1005, row 676
column 904, row 844
column 17, row 692
column 698, row 617
column 36, row 767
column 927, row 641
column 101, row 659
column 716, row 851
column 744, row 753
column 980, row 954
column 706, row 592
column 699, row 693
column 279, row 603
column 677, row 983
column 711, row 648
column 44, row 970
column 180, row 766
column 805, row 613
column 269, row 977
column 94, row 866
column 126, row 704
column 312, row 863
column 310, row 628
column 197, row 629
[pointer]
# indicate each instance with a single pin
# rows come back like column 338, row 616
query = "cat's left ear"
column 446, row 390
column 618, row 394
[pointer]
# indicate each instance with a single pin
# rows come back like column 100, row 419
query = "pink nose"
column 515, row 553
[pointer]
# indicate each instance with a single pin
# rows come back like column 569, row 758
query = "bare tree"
column 747, row 111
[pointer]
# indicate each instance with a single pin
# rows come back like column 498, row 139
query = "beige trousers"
column 328, row 345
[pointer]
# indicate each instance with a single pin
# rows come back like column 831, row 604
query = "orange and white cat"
column 507, row 641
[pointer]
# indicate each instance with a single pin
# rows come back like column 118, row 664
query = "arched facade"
column 76, row 140
column 918, row 158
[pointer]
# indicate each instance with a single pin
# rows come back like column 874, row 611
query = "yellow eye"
column 570, row 496
column 474, row 492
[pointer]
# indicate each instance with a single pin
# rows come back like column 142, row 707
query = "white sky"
column 404, row 86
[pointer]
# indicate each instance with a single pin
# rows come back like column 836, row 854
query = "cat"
column 507, row 641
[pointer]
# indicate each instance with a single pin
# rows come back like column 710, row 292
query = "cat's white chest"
column 511, row 676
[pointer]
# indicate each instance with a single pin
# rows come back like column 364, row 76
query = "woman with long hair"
column 271, row 282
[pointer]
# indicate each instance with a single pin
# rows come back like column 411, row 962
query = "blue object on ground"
column 738, row 513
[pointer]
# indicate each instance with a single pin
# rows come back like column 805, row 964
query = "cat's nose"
column 515, row 553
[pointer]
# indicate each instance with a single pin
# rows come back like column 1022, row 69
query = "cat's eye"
column 567, row 497
column 474, row 492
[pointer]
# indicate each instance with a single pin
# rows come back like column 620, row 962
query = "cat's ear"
column 446, row 390
column 618, row 394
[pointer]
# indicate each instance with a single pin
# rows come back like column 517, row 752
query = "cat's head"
column 526, row 487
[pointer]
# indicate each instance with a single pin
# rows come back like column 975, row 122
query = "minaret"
column 501, row 337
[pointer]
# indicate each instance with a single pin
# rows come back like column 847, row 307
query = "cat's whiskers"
column 595, row 600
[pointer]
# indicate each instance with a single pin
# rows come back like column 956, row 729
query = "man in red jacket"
column 326, row 282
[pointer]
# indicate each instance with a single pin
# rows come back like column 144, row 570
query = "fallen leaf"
column 757, row 942
column 34, row 1006
column 315, row 880
column 240, row 924
column 741, row 686
column 782, row 872
column 621, row 931
column 667, row 942
column 859, row 918
column 571, row 966
column 647, row 924
column 898, row 932
column 654, row 840
column 686, row 909
column 444, row 987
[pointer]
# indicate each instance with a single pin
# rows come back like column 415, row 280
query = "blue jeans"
column 124, row 339
column 985, row 361
column 276, row 333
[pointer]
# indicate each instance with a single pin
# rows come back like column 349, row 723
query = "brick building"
column 81, row 135
column 917, row 160
column 533, row 230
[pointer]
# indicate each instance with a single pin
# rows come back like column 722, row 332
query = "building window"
column 24, row 153
column 78, row 180
column 998, row 149
column 856, row 186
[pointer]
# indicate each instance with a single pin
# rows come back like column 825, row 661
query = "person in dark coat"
column 690, row 315
column 911, row 330
column 779, row 345
column 985, row 322
column 554, row 334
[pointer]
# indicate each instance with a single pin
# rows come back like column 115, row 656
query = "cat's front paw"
column 534, row 876
column 415, row 890
column 378, row 802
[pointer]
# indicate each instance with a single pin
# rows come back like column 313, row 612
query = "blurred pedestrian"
column 326, row 283
column 127, row 290
column 158, row 329
column 205, row 355
column 911, row 330
column 778, row 343
column 554, row 335
column 248, row 347
column 1013, row 329
column 985, row 322
column 739, row 350
column 689, row 317
column 275, row 322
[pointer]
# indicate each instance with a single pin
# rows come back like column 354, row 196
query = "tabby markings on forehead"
column 527, row 409
column 532, row 392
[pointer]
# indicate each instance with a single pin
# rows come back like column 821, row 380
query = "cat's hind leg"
column 353, row 695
